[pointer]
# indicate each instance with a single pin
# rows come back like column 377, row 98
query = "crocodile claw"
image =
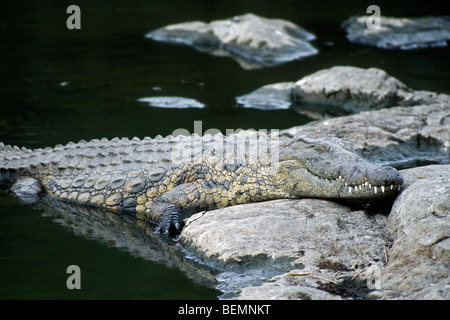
column 170, row 225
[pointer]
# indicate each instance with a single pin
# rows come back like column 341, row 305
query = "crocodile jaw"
column 311, row 185
column 329, row 168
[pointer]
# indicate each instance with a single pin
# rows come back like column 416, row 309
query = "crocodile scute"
column 166, row 179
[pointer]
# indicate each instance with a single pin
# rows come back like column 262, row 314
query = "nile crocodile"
column 164, row 180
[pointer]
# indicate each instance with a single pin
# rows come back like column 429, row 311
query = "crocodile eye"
column 320, row 148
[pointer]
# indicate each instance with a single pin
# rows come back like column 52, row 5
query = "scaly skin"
column 164, row 180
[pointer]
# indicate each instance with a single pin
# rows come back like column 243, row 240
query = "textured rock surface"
column 351, row 88
column 339, row 90
column 251, row 40
column 310, row 235
column 400, row 33
column 419, row 223
column 284, row 228
column 399, row 136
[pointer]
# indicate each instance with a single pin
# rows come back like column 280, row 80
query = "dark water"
column 59, row 85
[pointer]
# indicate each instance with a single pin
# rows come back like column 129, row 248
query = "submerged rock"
column 400, row 33
column 172, row 102
column 251, row 40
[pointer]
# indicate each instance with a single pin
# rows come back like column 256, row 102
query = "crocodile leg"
column 171, row 219
column 169, row 209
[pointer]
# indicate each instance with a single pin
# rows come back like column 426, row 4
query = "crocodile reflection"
column 125, row 232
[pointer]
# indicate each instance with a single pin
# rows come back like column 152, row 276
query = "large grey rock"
column 253, row 242
column 351, row 88
column 400, row 136
column 283, row 228
column 356, row 89
column 419, row 223
column 400, row 33
column 251, row 40
column 337, row 91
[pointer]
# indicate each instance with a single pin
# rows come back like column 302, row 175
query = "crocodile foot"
column 171, row 221
column 169, row 226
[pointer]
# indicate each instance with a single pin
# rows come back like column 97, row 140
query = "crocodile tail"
column 14, row 163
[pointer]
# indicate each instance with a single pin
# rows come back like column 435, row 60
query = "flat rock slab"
column 253, row 41
column 257, row 241
column 172, row 102
column 400, row 33
column 306, row 229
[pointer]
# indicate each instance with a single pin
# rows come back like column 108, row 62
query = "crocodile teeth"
column 376, row 189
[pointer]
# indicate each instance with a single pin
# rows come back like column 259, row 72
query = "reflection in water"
column 124, row 231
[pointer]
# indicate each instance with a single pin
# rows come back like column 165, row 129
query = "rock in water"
column 270, row 97
column 351, row 88
column 252, row 41
column 340, row 90
column 172, row 102
column 400, row 33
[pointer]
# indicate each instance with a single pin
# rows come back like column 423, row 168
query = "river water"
column 59, row 85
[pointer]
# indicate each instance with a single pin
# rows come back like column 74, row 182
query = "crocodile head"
column 329, row 168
